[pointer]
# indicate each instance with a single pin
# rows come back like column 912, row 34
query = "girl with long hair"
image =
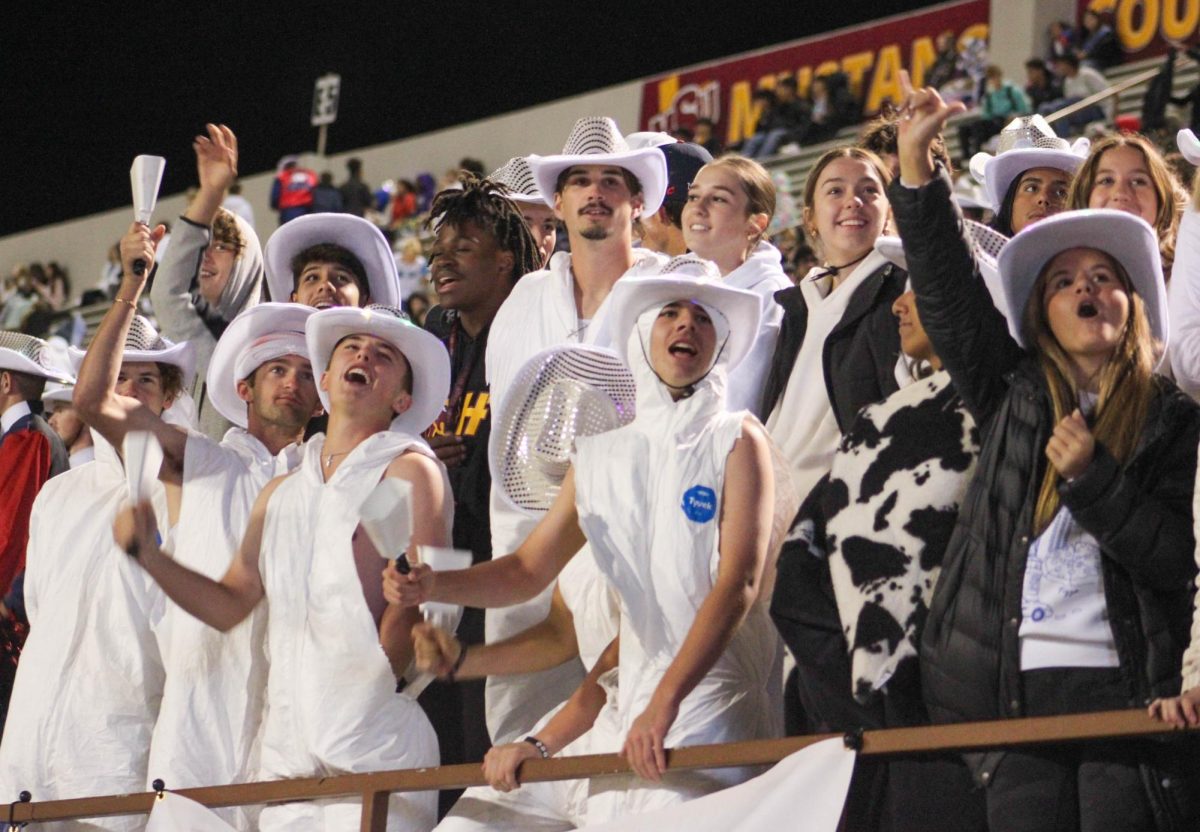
column 1065, row 587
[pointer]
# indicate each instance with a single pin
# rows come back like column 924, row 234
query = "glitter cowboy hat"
column 598, row 141
column 23, row 353
column 986, row 243
column 1027, row 142
column 426, row 355
column 144, row 344
column 261, row 333
column 1127, row 239
column 560, row 394
column 358, row 236
column 517, row 176
column 687, row 278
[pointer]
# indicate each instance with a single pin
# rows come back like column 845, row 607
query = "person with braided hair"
column 482, row 247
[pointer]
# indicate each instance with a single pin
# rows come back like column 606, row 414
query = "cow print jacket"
column 883, row 517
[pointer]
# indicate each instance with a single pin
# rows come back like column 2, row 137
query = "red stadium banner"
column 871, row 55
column 1146, row 28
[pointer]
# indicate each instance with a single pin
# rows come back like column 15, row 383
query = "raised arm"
column 546, row 644
column 748, row 499
column 968, row 333
column 502, row 581
column 1184, row 299
column 221, row 604
column 429, row 529
column 95, row 395
column 171, row 294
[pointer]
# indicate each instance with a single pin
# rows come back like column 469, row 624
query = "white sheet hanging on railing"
column 804, row 791
column 172, row 813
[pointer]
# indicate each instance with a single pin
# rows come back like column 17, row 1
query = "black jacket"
column 860, row 354
column 1140, row 512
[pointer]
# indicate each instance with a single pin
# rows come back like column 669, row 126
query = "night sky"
column 86, row 87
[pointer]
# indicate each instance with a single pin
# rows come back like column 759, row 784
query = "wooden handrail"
column 1114, row 90
column 375, row 787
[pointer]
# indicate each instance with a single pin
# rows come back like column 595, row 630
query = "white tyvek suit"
column 649, row 500
column 332, row 706
column 562, row 804
column 90, row 678
column 212, row 704
column 539, row 314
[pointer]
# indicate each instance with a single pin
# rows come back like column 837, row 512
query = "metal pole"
column 322, row 134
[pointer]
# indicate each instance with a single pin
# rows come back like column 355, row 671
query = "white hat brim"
column 634, row 295
column 355, row 234
column 62, row 394
column 520, row 480
column 180, row 355
column 426, row 355
column 254, row 323
column 1129, row 240
column 648, row 164
column 1000, row 170
column 19, row 363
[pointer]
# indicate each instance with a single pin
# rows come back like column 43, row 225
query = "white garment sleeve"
column 1183, row 303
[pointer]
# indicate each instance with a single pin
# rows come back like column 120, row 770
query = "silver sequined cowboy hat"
column 1027, row 142
column 558, row 395
column 258, row 335
column 426, row 355
column 358, row 236
column 23, row 353
column 144, row 344
column 517, row 176
column 598, row 141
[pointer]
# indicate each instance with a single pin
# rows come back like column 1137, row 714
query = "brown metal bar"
column 972, row 736
column 374, row 812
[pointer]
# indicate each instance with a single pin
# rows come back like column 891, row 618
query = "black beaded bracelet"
column 540, row 746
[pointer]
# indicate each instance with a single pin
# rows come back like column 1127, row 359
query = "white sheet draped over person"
column 709, row 673
column 336, row 649
column 91, row 676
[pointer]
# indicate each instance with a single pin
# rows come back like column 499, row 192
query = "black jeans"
column 1127, row 785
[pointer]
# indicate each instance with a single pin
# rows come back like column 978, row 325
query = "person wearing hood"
column 1067, row 584
column 212, row 272
column 597, row 186
column 729, row 206
column 337, row 649
column 91, row 676
column 259, row 379
column 698, row 658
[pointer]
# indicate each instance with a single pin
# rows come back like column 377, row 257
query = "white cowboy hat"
column 144, row 344
column 1027, row 142
column 358, row 236
column 261, row 333
column 968, row 194
column 56, row 392
column 1127, row 239
column 559, row 394
column 649, row 138
column 986, row 243
column 598, row 141
column 23, row 353
column 517, row 176
column 426, row 355
column 741, row 310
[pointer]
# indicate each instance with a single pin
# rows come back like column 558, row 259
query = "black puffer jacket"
column 1140, row 513
column 860, row 353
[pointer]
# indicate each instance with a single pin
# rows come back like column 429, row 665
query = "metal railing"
column 374, row 788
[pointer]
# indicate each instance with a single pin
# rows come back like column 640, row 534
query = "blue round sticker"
column 699, row 503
